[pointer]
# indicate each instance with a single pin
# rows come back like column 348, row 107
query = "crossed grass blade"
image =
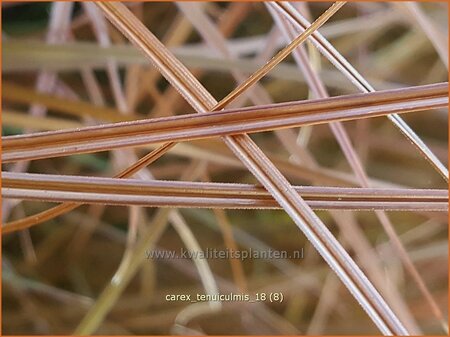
column 163, row 59
column 261, row 167
column 358, row 80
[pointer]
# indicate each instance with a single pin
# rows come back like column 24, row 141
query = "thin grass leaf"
column 183, row 194
column 227, row 122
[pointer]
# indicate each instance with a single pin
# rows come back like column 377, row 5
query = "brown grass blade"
column 67, row 207
column 112, row 191
column 325, row 176
column 227, row 122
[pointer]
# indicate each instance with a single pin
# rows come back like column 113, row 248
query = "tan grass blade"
column 436, row 37
column 21, row 120
column 15, row 93
column 67, row 57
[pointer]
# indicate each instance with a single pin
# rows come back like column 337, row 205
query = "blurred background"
column 54, row 272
